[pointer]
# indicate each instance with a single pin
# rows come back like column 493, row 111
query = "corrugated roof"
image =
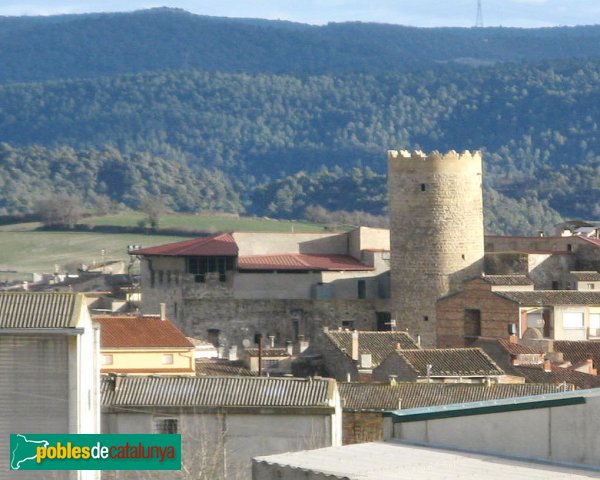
column 301, row 261
column 215, row 245
column 384, row 396
column 451, row 362
column 585, row 276
column 378, row 344
column 37, row 310
column 217, row 391
column 509, row 280
column 553, row 297
column 140, row 332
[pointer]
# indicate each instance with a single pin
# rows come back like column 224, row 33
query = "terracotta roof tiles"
column 301, row 261
column 215, row 245
column 140, row 332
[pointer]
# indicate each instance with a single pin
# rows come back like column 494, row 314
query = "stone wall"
column 436, row 230
column 360, row 427
column 496, row 314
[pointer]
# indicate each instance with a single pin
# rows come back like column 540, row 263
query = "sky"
column 422, row 13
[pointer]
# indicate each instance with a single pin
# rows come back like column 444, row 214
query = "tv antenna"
column 479, row 18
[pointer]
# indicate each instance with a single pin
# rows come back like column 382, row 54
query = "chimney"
column 512, row 333
column 272, row 340
column 392, row 379
column 547, row 366
column 354, row 345
column 289, row 346
column 163, row 311
column 233, row 353
column 419, row 340
column 302, row 343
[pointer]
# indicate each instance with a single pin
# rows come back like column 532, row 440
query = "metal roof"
column 553, row 297
column 140, row 332
column 373, row 396
column 216, row 245
column 393, row 460
column 170, row 391
column 38, row 310
column 301, row 261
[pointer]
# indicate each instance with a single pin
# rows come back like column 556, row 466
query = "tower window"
column 426, row 318
column 463, row 256
column 423, row 187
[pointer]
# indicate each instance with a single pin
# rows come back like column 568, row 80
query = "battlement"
column 435, row 161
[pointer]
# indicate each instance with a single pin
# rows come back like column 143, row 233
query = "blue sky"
column 426, row 13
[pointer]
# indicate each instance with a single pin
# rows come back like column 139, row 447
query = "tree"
column 60, row 209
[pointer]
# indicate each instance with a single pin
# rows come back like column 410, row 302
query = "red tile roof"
column 140, row 332
column 593, row 241
column 221, row 245
column 300, row 261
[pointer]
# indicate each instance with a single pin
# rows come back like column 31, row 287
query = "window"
column 384, row 321
column 160, row 277
column 200, row 266
column 595, row 320
column 348, row 324
column 572, row 320
column 362, row 289
column 423, row 187
column 107, row 360
column 472, row 322
column 167, row 359
column 555, row 285
column 591, row 286
column 165, row 425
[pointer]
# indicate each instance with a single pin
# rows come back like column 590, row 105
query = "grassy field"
column 24, row 250
column 209, row 223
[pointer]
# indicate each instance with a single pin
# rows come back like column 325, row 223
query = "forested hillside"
column 278, row 142
column 76, row 46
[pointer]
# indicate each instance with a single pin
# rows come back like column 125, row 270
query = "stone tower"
column 436, row 233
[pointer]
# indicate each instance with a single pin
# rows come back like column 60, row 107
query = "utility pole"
column 479, row 18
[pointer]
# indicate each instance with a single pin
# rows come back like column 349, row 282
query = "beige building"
column 144, row 345
column 49, row 380
column 231, row 286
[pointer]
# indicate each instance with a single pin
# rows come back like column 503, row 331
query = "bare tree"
column 61, row 209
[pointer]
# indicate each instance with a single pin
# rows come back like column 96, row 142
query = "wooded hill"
column 299, row 125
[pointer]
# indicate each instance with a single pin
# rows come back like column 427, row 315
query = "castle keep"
column 436, row 232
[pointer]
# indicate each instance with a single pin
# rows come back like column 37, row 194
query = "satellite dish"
column 246, row 342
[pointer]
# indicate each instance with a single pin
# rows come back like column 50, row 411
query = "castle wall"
column 436, row 230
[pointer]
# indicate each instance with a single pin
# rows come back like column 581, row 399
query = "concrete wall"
column 499, row 243
column 436, row 229
column 558, row 434
column 151, row 359
column 220, row 443
column 365, row 238
column 496, row 313
column 548, row 271
column 252, row 243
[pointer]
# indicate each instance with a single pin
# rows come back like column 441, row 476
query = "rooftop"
column 579, row 351
column 38, row 310
column 358, row 396
column 157, row 391
column 558, row 376
column 586, row 276
column 221, row 367
column 378, row 344
column 508, row 280
column 401, row 461
column 453, row 362
column 140, row 332
column 222, row 244
column 267, row 352
column 553, row 297
column 301, row 261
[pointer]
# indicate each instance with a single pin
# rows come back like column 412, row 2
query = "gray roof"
column 400, row 461
column 553, row 297
column 170, row 391
column 583, row 276
column 38, row 310
column 576, row 351
column 451, row 362
column 385, row 396
column 378, row 344
column 508, row 280
column 221, row 367
column 557, row 375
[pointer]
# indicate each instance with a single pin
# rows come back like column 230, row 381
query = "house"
column 480, row 310
column 49, row 352
column 272, row 361
column 350, row 355
column 144, row 345
column 363, row 403
column 224, row 421
column 231, row 286
column 456, row 365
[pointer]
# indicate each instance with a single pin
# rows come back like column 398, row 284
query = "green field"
column 24, row 250
column 209, row 223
